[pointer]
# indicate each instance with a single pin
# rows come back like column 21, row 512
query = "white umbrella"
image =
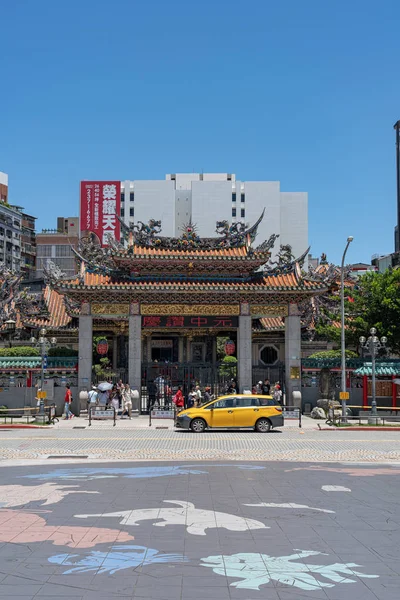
column 104, row 386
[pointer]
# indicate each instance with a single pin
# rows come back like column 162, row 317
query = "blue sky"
column 305, row 92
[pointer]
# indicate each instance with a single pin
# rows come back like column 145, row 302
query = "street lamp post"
column 372, row 345
column 343, row 339
column 44, row 346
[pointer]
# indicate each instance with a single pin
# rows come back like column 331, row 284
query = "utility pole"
column 397, row 234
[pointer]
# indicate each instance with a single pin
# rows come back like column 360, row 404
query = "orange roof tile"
column 145, row 251
column 58, row 316
column 277, row 282
column 270, row 323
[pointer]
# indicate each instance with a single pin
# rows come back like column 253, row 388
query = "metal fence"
column 275, row 374
column 160, row 381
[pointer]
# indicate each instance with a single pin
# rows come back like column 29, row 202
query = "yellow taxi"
column 239, row 411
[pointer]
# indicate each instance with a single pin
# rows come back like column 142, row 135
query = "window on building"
column 233, row 197
column 122, row 212
column 63, row 250
column 9, row 234
column 43, row 250
column 242, row 213
column 233, row 212
column 242, row 197
column 1, row 230
column 269, row 355
column 122, row 197
column 131, row 196
column 131, row 212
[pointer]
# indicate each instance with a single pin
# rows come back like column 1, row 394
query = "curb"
column 359, row 429
column 22, row 426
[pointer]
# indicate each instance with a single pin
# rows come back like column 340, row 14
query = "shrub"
column 333, row 354
column 19, row 351
column 228, row 366
column 62, row 351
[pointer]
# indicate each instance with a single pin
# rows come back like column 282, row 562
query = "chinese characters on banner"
column 190, row 321
column 100, row 204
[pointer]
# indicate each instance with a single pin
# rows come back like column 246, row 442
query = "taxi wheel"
column 198, row 425
column 263, row 425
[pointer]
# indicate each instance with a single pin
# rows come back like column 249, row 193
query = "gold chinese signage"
column 294, row 372
column 110, row 309
column 190, row 309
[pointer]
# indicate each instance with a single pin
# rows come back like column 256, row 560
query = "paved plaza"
column 182, row 531
column 135, row 440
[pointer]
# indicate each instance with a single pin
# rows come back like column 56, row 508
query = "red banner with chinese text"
column 191, row 322
column 99, row 207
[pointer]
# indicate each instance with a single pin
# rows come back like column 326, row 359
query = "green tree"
column 374, row 301
column 103, row 369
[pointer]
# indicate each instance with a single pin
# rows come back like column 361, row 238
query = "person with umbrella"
column 103, row 394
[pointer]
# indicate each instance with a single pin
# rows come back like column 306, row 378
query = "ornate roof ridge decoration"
column 287, row 262
column 52, row 273
column 235, row 235
column 18, row 303
column 319, row 310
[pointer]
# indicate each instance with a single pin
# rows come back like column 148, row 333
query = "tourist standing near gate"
column 92, row 398
column 67, row 401
column 178, row 401
column 127, row 396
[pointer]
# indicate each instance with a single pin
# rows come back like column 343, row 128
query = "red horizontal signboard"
column 191, row 322
column 100, row 205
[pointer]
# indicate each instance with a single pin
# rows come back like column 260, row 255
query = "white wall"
column 260, row 195
column 155, row 200
column 3, row 178
column 183, row 209
column 211, row 202
column 207, row 197
column 294, row 221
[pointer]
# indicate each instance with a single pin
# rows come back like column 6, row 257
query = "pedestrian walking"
column 114, row 399
column 102, row 397
column 277, row 393
column 92, row 398
column 178, row 401
column 207, row 394
column 266, row 387
column 198, row 396
column 67, row 402
column 127, row 397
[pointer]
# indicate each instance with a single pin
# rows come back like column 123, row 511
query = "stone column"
column 292, row 353
column 148, row 348
column 85, row 348
column 135, row 349
column 115, row 353
column 180, row 349
column 244, row 348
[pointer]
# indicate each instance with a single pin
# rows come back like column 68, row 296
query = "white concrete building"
column 208, row 197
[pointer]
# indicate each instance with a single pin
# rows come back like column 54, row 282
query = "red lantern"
column 102, row 347
column 230, row 347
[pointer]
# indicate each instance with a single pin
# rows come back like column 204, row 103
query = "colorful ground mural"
column 117, row 559
column 196, row 520
column 254, row 570
column 248, row 515
column 24, row 528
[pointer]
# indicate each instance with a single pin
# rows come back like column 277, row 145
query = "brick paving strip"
column 151, row 444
